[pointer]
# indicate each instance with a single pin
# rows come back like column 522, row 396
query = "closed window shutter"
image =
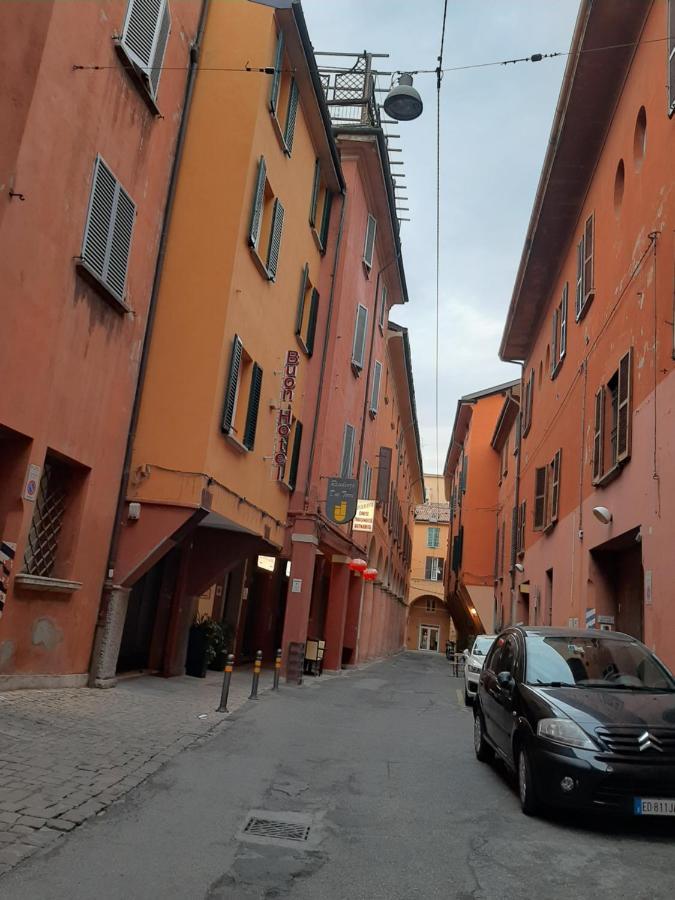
column 523, row 522
column 375, row 394
column 276, row 80
column 295, row 457
column 300, row 314
column 359, row 346
column 624, row 409
column 383, row 476
column 311, row 324
column 580, row 278
column 465, row 473
column 555, row 489
column 253, row 406
column 383, row 307
column 598, row 434
column 347, row 452
column 232, row 385
column 539, row 499
column 160, row 49
column 563, row 322
column 369, row 246
column 554, row 341
column 671, row 58
column 107, row 235
column 427, row 568
column 589, row 242
column 144, row 37
column 289, row 131
column 275, row 240
column 325, row 219
column 316, row 184
column 258, row 202
column 514, row 534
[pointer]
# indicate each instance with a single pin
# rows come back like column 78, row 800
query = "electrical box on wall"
column 134, row 512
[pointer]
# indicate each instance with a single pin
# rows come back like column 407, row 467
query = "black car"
column 585, row 719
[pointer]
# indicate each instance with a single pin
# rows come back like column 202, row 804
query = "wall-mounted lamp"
column 472, row 610
column 520, row 567
column 602, row 514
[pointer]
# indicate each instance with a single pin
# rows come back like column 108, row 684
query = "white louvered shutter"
column 145, row 36
column 369, row 246
column 375, row 395
column 314, row 201
column 275, row 240
column 359, row 346
column 276, row 80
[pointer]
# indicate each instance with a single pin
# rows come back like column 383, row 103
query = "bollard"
column 256, row 676
column 277, row 670
column 227, row 678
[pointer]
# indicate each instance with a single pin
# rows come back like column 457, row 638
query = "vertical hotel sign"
column 284, row 420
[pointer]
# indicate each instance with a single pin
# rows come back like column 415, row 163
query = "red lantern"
column 370, row 575
column 357, row 565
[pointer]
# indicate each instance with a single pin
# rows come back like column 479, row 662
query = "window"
column 520, row 539
column 294, row 443
column 366, row 480
column 369, row 246
column 433, row 569
column 347, row 458
column 465, row 473
column 434, row 537
column 307, row 312
column 51, row 501
column 671, row 57
column 267, row 222
column 375, row 393
column 527, row 404
column 316, row 188
column 612, row 423
column 504, row 465
column 359, row 345
column 547, row 494
column 283, row 91
column 559, row 336
column 383, row 476
column 240, row 417
column 107, row 233
column 319, row 209
column 431, row 604
column 585, row 288
column 145, row 34
column 383, row 309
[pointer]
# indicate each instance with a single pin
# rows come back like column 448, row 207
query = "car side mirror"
column 505, row 680
column 465, row 654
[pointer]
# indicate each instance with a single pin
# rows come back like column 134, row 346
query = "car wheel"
column 482, row 749
column 529, row 802
column 468, row 699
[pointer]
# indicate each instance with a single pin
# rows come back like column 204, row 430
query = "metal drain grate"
column 275, row 830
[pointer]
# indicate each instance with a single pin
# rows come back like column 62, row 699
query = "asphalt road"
column 376, row 770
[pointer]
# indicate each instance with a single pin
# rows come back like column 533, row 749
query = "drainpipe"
column 517, row 496
column 147, row 339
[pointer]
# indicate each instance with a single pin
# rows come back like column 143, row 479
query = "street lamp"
column 602, row 514
column 403, row 102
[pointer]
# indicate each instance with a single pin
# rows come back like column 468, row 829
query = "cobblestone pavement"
column 65, row 755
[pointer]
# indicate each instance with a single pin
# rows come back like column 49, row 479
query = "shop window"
column 547, row 494
column 612, row 423
column 307, row 312
column 145, row 35
column 242, row 397
column 267, row 222
column 585, row 286
column 559, row 333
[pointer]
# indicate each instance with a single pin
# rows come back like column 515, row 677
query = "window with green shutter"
column 275, row 87
column 253, row 406
column 307, row 312
column 291, row 115
column 359, row 343
column 266, row 224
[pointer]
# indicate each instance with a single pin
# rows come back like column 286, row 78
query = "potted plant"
column 204, row 643
column 223, row 645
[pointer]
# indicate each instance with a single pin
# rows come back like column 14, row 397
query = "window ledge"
column 101, row 287
column 588, row 299
column 303, row 345
column 356, row 369
column 558, row 367
column 549, row 528
column 279, row 133
column 41, row 583
column 367, row 268
column 610, row 475
column 137, row 76
column 235, row 443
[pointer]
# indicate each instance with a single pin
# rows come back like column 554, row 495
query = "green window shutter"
column 427, row 568
column 232, row 383
column 325, row 219
column 624, row 409
column 301, row 299
column 258, row 201
column 275, row 240
column 253, row 406
column 295, row 457
column 289, row 131
column 315, row 193
column 375, row 391
column 276, row 81
column 311, row 324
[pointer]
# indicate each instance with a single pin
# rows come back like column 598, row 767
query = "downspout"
column 516, row 497
column 152, row 307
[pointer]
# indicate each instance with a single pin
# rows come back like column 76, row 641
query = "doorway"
column 618, row 582
column 429, row 637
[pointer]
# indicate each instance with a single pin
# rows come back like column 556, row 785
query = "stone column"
column 336, row 614
column 108, row 637
column 299, row 597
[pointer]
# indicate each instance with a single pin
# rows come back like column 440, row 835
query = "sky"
column 495, row 124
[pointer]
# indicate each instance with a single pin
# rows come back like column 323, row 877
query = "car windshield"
column 481, row 646
column 594, row 662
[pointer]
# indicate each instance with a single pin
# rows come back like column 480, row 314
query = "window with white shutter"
column 369, row 245
column 145, row 35
column 359, row 344
column 375, row 393
column 106, row 245
column 347, row 458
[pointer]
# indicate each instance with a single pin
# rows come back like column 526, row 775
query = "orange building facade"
column 91, row 126
column 591, row 319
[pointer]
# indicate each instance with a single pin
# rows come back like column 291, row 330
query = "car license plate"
column 652, row 806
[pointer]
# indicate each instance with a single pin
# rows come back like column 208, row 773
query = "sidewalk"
column 66, row 755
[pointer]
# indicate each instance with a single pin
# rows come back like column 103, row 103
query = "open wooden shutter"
column 375, row 393
column 253, row 406
column 325, row 219
column 359, row 345
column 579, row 300
column 563, row 323
column 289, row 131
column 598, row 435
column 316, row 184
column 295, row 457
column 589, row 243
column 300, row 314
column 554, row 341
column 144, row 38
column 427, row 567
column 275, row 240
column 369, row 246
column 276, row 80
column 383, row 476
column 555, row 487
column 311, row 323
column 232, row 385
column 162, row 39
column 539, row 499
column 347, row 452
column 258, row 202
column 623, row 432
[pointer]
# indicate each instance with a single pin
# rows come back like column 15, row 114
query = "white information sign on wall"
column 365, row 515
column 296, row 585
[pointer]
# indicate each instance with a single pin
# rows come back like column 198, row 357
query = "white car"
column 473, row 664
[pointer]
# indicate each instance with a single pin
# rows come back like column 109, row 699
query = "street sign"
column 365, row 515
column 32, row 483
column 590, row 617
column 341, row 499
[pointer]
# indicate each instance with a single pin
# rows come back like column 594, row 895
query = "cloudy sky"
column 495, row 125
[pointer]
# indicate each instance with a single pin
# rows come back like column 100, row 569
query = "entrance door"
column 429, row 638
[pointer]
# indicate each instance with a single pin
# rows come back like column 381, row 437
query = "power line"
column 439, row 79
